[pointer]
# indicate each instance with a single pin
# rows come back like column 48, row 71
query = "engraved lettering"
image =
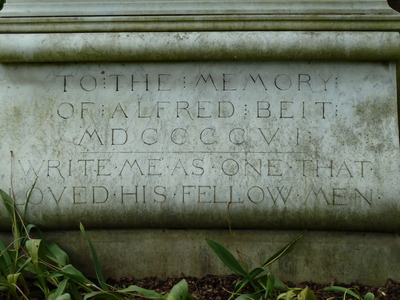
column 88, row 83
column 65, row 110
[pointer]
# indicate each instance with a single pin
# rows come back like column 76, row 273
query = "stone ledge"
column 167, row 23
column 366, row 258
column 172, row 46
column 32, row 8
column 196, row 15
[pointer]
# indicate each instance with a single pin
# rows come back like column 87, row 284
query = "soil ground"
column 213, row 287
column 220, row 287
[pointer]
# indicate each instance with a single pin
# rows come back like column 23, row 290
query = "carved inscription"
column 142, row 144
column 248, row 134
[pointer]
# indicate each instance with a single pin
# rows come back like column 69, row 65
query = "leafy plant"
column 348, row 292
column 178, row 292
column 261, row 280
column 297, row 293
column 28, row 260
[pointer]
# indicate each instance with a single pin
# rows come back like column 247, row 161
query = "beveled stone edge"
column 172, row 46
column 200, row 23
column 31, row 8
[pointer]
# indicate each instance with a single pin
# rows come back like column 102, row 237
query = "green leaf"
column 33, row 246
column 28, row 197
column 257, row 271
column 12, row 280
column 180, row 291
column 73, row 289
column 306, row 294
column 290, row 294
column 6, row 267
column 9, row 204
column 29, row 227
column 279, row 285
column 240, row 285
column 343, row 290
column 64, row 297
column 369, row 296
column 144, row 292
column 10, row 207
column 23, row 264
column 285, row 250
column 56, row 254
column 270, row 286
column 227, row 258
column 59, row 292
column 104, row 295
column 74, row 274
column 96, row 261
column 263, row 280
column 3, row 287
column 248, row 297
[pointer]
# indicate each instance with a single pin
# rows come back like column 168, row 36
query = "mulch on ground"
column 213, row 287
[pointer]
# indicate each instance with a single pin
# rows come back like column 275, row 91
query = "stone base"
column 322, row 257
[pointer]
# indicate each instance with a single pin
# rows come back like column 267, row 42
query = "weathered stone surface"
column 324, row 257
column 197, row 15
column 199, row 46
column 153, row 7
column 196, row 144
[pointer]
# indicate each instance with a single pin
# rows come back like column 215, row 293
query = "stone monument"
column 157, row 124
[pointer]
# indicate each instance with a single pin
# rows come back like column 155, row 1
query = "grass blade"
column 22, row 264
column 240, row 285
column 59, row 292
column 285, row 250
column 74, row 274
column 270, row 285
column 279, row 285
column 248, row 297
column 28, row 197
column 7, row 267
column 96, row 261
column 227, row 258
column 104, row 295
column 12, row 212
column 151, row 294
column 343, row 290
column 8, row 203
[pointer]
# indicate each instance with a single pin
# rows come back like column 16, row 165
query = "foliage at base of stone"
column 348, row 292
column 261, row 280
column 28, row 259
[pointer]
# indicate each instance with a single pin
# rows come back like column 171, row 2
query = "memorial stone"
column 140, row 144
column 136, row 132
